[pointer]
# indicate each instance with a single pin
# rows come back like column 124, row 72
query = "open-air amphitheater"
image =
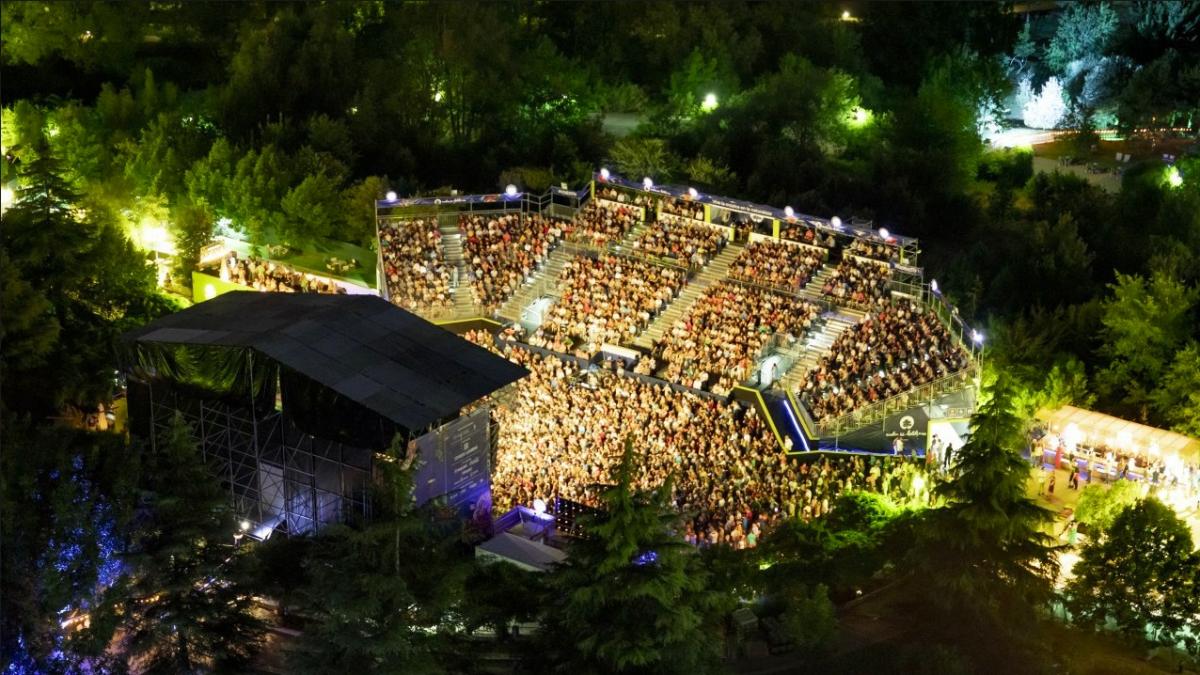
column 827, row 330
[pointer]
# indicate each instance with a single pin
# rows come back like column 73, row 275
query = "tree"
column 1177, row 397
column 1084, row 30
column 192, row 229
column 631, row 597
column 1145, row 324
column 983, row 562
column 1143, row 575
column 313, row 209
column 1099, row 505
column 358, row 206
column 189, row 610
column 383, row 595
column 96, row 283
column 1047, row 110
column 66, row 497
column 641, row 157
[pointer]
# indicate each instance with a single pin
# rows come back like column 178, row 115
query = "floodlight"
column 391, row 196
column 884, row 234
column 647, row 182
column 510, row 190
column 789, row 211
column 604, row 174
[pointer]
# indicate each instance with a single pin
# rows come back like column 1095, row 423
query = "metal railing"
column 880, row 410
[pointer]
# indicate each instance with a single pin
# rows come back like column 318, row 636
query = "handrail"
column 880, row 409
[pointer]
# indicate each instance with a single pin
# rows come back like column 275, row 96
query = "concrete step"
column 545, row 280
column 715, row 270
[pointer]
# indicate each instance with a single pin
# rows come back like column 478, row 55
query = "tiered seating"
column 681, row 208
column 600, row 224
column 504, row 251
column 728, row 329
column 890, row 352
column 682, row 241
column 771, row 263
column 608, row 299
column 875, row 251
column 415, row 270
column 858, row 283
column 801, row 231
column 565, row 433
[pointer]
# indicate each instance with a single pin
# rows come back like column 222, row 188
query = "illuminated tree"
column 1143, row 574
column 631, row 597
column 1048, row 109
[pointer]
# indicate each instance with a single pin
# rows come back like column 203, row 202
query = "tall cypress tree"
column 632, row 596
column 188, row 611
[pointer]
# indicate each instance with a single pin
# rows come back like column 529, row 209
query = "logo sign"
column 912, row 424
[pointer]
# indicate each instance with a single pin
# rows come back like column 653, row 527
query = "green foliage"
column 383, row 596
column 631, row 596
column 1084, row 30
column 188, row 606
column 983, row 561
column 809, row 620
column 1146, row 322
column 1009, row 167
column 192, row 229
column 94, row 281
column 358, row 207
column 1143, row 575
column 1099, row 504
column 312, row 210
column 1177, row 397
column 639, row 157
column 65, row 499
column 710, row 176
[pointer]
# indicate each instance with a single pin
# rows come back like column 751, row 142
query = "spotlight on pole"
column 391, row 195
column 884, row 234
column 510, row 190
column 693, row 193
column 710, row 102
column 244, row 525
column 835, row 221
column 976, row 337
column 604, row 174
column 789, row 212
column 933, row 286
column 647, row 182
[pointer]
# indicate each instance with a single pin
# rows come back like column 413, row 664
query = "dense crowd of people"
column 264, row 275
column 681, row 208
column 729, row 328
column 687, row 242
column 414, row 267
column 606, row 299
column 775, row 263
column 858, row 283
column 873, row 250
column 900, row 347
column 505, row 250
column 621, row 196
column 600, row 224
column 565, row 431
column 798, row 230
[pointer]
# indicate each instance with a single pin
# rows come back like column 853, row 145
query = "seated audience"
column 601, row 223
column 900, row 347
column 728, row 329
column 414, row 268
column 685, row 241
column 873, row 250
column 504, row 251
column 264, row 275
column 773, row 263
column 858, row 283
column 607, row 299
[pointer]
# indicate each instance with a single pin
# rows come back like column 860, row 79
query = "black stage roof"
column 391, row 361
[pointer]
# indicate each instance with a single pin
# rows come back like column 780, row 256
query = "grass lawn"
column 311, row 258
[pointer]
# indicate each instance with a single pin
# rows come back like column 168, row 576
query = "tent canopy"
column 524, row 553
column 390, row 361
column 1100, row 429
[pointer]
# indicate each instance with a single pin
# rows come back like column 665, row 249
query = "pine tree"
column 631, row 596
column 984, row 561
column 188, row 611
column 383, row 595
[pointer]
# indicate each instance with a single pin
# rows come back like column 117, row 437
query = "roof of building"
column 523, row 552
column 1100, row 429
column 390, row 361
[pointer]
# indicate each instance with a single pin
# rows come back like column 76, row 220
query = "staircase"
column 452, row 252
column 812, row 290
column 818, row 343
column 545, row 281
column 711, row 273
